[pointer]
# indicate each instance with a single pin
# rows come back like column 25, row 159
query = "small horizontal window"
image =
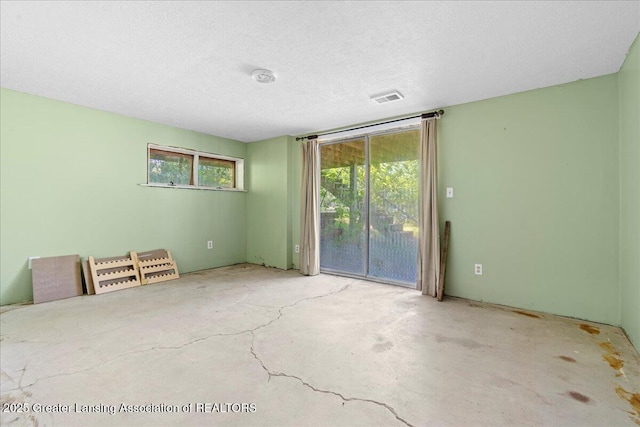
column 216, row 173
column 172, row 166
column 166, row 167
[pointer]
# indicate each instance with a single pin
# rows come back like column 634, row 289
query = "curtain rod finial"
column 440, row 112
column 302, row 138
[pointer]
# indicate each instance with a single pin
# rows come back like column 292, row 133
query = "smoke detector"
column 263, row 76
column 388, row 97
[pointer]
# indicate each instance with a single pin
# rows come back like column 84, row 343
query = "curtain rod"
column 430, row 115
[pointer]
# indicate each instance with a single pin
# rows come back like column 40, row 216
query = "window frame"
column 238, row 168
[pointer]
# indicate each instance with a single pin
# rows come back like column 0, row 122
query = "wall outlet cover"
column 478, row 269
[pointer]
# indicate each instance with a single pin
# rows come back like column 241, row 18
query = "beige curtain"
column 429, row 239
column 309, row 235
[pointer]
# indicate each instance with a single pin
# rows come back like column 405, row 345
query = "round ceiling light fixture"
column 263, row 76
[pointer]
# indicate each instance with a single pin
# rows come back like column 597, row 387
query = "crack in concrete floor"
column 271, row 373
column 252, row 331
column 178, row 347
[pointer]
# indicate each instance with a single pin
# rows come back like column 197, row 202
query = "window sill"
column 194, row 187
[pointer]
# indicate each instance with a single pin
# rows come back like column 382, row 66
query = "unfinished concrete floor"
column 307, row 351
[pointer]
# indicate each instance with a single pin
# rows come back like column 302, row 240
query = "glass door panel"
column 343, row 219
column 393, row 206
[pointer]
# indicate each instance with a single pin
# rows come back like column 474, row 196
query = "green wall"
column 629, row 97
column 69, row 185
column 273, row 178
column 535, row 178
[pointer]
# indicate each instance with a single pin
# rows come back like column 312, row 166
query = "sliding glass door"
column 343, row 221
column 369, row 206
column 393, row 206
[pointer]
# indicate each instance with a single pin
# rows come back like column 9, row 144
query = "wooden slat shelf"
column 112, row 274
column 106, row 280
column 160, row 268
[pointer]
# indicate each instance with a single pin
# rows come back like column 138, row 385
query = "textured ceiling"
column 188, row 64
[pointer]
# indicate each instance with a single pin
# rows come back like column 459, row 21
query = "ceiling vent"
column 388, row 97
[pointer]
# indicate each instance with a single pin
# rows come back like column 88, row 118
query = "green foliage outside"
column 393, row 194
column 166, row 168
column 215, row 176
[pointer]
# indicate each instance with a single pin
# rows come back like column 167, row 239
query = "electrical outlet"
column 210, row 244
column 31, row 258
column 297, row 249
column 449, row 192
column 478, row 270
